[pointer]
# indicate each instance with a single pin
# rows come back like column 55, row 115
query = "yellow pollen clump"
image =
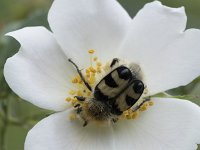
column 87, row 75
column 98, row 69
column 128, row 117
column 87, row 71
column 143, row 107
column 95, row 58
column 130, row 114
column 91, row 80
column 92, row 70
column 151, row 103
column 134, row 115
column 74, row 101
column 75, row 80
column 91, row 51
column 93, row 74
column 79, row 93
column 72, row 92
column 99, row 64
column 68, row 99
column 80, row 81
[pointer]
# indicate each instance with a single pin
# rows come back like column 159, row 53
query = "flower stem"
column 4, row 125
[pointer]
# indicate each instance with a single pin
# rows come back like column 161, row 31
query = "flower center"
column 95, row 105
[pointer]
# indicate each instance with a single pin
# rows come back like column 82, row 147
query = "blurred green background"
column 18, row 116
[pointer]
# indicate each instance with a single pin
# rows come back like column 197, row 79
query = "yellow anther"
column 74, row 99
column 72, row 117
column 151, row 103
column 68, row 99
column 87, row 71
column 73, row 102
column 92, row 70
column 143, row 108
column 130, row 111
column 134, row 115
column 125, row 113
column 75, row 80
column 80, row 81
column 93, row 74
column 89, row 93
column 146, row 104
column 128, row 117
column 79, row 93
column 98, row 69
column 92, row 80
column 78, row 78
column 99, row 64
column 72, row 92
column 95, row 58
column 87, row 75
column 91, row 51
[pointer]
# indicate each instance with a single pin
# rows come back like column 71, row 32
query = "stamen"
column 91, row 52
column 129, row 114
column 151, row 103
column 75, row 80
column 99, row 64
column 79, row 93
column 99, row 69
column 68, row 99
column 134, row 115
column 143, row 108
column 87, row 71
column 95, row 58
column 72, row 92
column 92, row 70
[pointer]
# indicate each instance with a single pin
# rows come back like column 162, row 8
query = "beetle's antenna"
column 81, row 75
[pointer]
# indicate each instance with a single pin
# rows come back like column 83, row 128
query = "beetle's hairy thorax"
column 97, row 110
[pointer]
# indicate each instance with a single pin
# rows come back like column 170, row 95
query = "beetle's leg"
column 114, row 120
column 114, row 61
column 138, row 107
column 80, row 98
column 81, row 75
column 85, row 123
column 77, row 105
column 79, row 110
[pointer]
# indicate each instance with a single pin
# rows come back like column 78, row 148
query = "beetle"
column 116, row 92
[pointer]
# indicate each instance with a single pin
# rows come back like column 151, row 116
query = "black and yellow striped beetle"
column 115, row 93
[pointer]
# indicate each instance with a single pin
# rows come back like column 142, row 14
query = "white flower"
column 155, row 39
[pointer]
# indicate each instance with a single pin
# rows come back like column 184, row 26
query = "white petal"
column 57, row 132
column 157, row 41
column 39, row 72
column 170, row 124
column 81, row 25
